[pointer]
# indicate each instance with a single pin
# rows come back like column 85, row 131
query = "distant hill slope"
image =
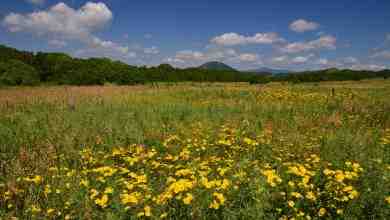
column 216, row 66
column 269, row 70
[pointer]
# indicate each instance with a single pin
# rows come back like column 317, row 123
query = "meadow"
column 196, row 151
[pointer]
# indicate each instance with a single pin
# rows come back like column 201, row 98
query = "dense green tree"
column 22, row 68
column 15, row 72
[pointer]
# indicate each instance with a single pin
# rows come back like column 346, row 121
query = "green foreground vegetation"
column 196, row 151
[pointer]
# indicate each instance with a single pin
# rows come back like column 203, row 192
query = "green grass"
column 37, row 123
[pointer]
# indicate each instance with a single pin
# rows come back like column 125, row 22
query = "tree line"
column 27, row 68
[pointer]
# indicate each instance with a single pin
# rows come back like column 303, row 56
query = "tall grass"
column 49, row 126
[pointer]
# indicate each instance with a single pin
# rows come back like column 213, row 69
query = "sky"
column 246, row 34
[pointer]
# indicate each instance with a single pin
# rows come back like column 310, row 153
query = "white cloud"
column 286, row 60
column 300, row 60
column 382, row 54
column 349, row 63
column 350, row 60
column 324, row 42
column 229, row 39
column 174, row 60
column 302, row 25
column 187, row 58
column 131, row 55
column 248, row 57
column 232, row 39
column 148, row 36
column 36, row 2
column 189, row 55
column 151, row 50
column 108, row 45
column 388, row 37
column 372, row 67
column 61, row 22
column 322, row 61
column 280, row 60
column 57, row 43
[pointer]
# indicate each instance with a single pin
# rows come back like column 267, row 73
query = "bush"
column 15, row 72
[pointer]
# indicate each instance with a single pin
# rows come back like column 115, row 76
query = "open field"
column 196, row 151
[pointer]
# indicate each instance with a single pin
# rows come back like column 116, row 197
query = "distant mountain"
column 269, row 70
column 216, row 66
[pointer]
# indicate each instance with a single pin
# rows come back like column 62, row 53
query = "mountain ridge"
column 215, row 65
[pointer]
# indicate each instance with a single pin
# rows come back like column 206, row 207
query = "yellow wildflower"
column 322, row 212
column 84, row 183
column 130, row 198
column 50, row 211
column 147, row 211
column 94, row 193
column 188, row 199
column 311, row 196
column 102, row 202
column 387, row 199
column 35, row 209
column 296, row 195
column 272, row 178
column 109, row 190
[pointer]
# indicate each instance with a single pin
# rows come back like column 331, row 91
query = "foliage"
column 59, row 68
column 15, row 73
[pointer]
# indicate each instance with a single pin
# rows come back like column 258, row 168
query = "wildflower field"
column 196, row 151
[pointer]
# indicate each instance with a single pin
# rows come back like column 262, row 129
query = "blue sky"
column 294, row 35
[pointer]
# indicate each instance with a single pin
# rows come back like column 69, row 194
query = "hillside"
column 216, row 66
column 268, row 70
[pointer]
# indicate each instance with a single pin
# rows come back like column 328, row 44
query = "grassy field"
column 196, row 151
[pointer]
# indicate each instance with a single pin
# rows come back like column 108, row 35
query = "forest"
column 27, row 68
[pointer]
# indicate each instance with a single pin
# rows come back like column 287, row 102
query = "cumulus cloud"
column 36, row 2
column 300, row 60
column 280, row 60
column 232, row 39
column 322, row 61
column 61, row 22
column 372, row 67
column 382, row 54
column 151, row 50
column 302, row 25
column 190, row 55
column 57, row 43
column 174, row 61
column 350, row 60
column 349, row 63
column 324, row 42
column 108, row 45
column 148, row 36
column 248, row 57
column 287, row 60
column 187, row 58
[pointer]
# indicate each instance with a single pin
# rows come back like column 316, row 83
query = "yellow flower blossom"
column 387, row 199
column 131, row 198
column 188, row 199
column 322, row 212
column 109, row 190
column 311, row 196
column 272, row 178
column 102, row 202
